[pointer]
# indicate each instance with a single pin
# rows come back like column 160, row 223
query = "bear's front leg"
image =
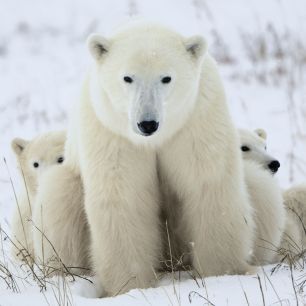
column 218, row 226
column 215, row 222
column 122, row 205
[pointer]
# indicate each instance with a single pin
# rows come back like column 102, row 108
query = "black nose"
column 274, row 165
column 148, row 127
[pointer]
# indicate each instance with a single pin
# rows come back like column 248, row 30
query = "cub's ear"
column 261, row 133
column 196, row 46
column 97, row 45
column 18, row 145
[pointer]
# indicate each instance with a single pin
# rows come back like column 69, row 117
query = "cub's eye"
column 266, row 148
column 60, row 160
column 245, row 148
column 128, row 79
column 35, row 164
column 166, row 80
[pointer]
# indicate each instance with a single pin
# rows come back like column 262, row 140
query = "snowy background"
column 261, row 49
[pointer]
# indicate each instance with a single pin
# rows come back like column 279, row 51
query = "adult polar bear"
column 151, row 93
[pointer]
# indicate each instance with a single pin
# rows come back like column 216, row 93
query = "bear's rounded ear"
column 261, row 133
column 97, row 45
column 196, row 46
column 18, row 145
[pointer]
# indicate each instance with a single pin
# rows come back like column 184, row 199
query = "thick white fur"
column 61, row 239
column 256, row 141
column 45, row 150
column 122, row 204
column 202, row 167
column 267, row 201
column 294, row 238
column 118, row 164
column 266, row 198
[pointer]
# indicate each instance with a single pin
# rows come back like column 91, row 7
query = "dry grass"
column 53, row 273
column 276, row 59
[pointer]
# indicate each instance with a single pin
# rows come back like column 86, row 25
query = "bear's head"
column 37, row 155
column 145, row 80
column 254, row 147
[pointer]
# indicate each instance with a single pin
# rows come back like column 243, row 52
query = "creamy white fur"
column 294, row 238
column 270, row 215
column 119, row 168
column 257, row 143
column 62, row 236
column 215, row 214
column 122, row 205
column 265, row 195
column 45, row 150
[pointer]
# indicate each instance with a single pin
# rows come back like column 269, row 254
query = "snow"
column 277, row 289
column 261, row 49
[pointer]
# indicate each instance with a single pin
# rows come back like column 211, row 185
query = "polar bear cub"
column 34, row 158
column 254, row 148
column 265, row 195
column 294, row 238
column 62, row 241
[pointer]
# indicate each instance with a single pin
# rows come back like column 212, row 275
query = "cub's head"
column 37, row 155
column 254, row 147
column 145, row 80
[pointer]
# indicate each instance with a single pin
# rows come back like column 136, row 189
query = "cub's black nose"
column 274, row 165
column 148, row 127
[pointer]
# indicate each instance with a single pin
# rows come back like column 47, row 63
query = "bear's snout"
column 147, row 128
column 274, row 165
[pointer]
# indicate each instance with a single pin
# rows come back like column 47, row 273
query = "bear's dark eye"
column 128, row 79
column 35, row 164
column 166, row 80
column 60, row 160
column 266, row 148
column 245, row 148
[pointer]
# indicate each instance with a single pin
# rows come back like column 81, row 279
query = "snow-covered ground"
column 261, row 48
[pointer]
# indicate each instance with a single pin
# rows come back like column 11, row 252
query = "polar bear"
column 294, row 238
column 265, row 194
column 153, row 109
column 61, row 239
column 254, row 148
column 34, row 158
